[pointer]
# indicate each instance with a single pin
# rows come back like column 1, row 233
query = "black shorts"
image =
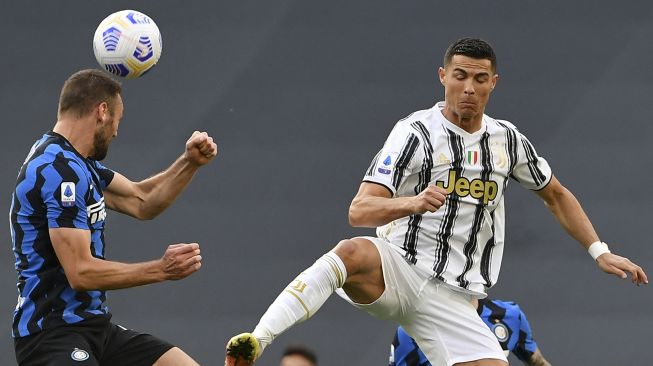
column 94, row 342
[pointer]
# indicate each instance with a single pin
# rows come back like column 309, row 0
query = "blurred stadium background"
column 300, row 95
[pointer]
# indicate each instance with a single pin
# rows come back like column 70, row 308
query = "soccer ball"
column 127, row 43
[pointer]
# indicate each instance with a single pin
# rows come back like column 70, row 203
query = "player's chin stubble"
column 100, row 146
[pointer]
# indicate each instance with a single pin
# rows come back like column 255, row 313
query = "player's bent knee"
column 346, row 250
column 175, row 357
column 359, row 255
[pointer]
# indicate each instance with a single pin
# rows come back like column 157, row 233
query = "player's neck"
column 470, row 125
column 77, row 132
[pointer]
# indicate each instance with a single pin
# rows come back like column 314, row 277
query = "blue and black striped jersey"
column 504, row 318
column 56, row 187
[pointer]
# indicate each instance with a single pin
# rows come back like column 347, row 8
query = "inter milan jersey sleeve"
column 509, row 324
column 400, row 156
column 64, row 193
column 525, row 345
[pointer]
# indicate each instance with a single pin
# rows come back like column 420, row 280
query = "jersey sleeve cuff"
column 546, row 183
column 55, row 224
column 390, row 188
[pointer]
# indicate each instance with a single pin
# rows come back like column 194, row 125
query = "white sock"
column 301, row 298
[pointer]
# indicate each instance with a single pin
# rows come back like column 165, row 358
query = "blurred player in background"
column 298, row 356
column 57, row 225
column 504, row 318
column 435, row 193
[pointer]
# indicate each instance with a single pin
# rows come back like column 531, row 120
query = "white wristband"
column 597, row 248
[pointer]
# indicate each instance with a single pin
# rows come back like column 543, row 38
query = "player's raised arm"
column 569, row 213
column 148, row 198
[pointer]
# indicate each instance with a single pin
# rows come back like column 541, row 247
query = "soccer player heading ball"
column 435, row 192
column 58, row 213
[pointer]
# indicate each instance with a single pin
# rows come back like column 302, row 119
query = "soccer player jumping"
column 435, row 193
column 58, row 213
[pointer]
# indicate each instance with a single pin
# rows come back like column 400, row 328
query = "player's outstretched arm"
column 148, row 198
column 569, row 213
column 374, row 205
column 85, row 272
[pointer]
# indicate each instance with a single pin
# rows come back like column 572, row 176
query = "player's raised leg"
column 354, row 265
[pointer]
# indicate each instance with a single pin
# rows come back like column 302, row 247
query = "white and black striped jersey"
column 460, row 244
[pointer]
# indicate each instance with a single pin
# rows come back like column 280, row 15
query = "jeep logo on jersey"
column 96, row 212
column 463, row 187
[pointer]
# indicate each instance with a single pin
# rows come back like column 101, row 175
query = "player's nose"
column 469, row 89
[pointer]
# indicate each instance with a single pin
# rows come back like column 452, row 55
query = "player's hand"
column 181, row 260
column 619, row 266
column 430, row 199
column 200, row 148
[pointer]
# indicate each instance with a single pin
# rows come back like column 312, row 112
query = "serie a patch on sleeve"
column 67, row 194
column 387, row 164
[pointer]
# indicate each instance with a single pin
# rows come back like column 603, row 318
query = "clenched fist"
column 181, row 260
column 200, row 148
column 430, row 199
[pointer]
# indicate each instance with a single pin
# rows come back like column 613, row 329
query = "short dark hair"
column 86, row 89
column 300, row 351
column 471, row 47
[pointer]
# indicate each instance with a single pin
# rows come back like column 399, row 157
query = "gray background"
column 300, row 95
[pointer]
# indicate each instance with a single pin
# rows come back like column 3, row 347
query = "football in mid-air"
column 127, row 43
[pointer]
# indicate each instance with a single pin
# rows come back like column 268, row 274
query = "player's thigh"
column 175, row 357
column 128, row 347
column 398, row 291
column 56, row 348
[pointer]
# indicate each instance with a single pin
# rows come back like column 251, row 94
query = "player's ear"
column 494, row 80
column 441, row 73
column 102, row 111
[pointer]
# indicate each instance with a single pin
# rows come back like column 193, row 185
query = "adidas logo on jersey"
column 463, row 187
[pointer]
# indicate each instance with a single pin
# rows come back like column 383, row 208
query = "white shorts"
column 443, row 321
